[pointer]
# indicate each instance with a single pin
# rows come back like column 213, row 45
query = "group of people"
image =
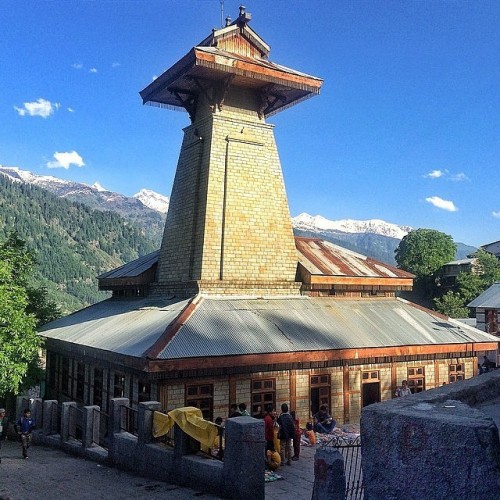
column 283, row 433
column 23, row 427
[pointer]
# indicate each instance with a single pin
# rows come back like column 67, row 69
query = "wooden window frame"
column 263, row 393
column 456, row 372
column 118, row 385
column 201, row 396
column 416, row 379
column 323, row 383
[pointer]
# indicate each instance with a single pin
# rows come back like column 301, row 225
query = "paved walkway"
column 52, row 474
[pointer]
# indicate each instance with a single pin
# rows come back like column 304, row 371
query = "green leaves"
column 19, row 315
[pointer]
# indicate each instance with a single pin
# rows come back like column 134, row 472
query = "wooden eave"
column 360, row 281
column 249, row 360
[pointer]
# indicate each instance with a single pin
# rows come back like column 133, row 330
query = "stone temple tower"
column 228, row 229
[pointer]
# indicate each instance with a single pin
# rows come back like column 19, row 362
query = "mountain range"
column 147, row 210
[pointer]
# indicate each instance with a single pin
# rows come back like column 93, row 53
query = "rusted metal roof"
column 490, row 298
column 321, row 257
column 222, row 327
column 229, row 326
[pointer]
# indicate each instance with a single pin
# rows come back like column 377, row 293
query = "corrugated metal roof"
column 490, row 298
column 220, row 327
column 128, row 327
column 321, row 257
column 134, row 268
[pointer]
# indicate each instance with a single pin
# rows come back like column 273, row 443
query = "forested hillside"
column 73, row 243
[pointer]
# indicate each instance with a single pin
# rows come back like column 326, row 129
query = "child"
column 23, row 427
column 296, row 437
column 309, row 434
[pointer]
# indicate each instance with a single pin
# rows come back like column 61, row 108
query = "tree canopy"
column 482, row 274
column 423, row 252
column 22, row 309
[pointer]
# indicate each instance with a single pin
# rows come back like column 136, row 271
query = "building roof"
column 134, row 268
column 490, row 298
column 211, row 327
column 321, row 257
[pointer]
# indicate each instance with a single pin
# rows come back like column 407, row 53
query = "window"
column 201, row 396
column 456, row 373
column 119, row 386
column 319, row 392
column 263, row 394
column 80, row 381
column 370, row 387
column 144, row 389
column 416, row 379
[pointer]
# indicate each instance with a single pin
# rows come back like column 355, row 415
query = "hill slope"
column 73, row 243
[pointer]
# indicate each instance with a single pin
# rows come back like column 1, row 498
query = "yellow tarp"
column 190, row 420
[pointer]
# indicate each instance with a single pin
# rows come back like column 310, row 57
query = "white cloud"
column 93, row 70
column 459, row 177
column 41, row 107
column 115, row 65
column 440, row 203
column 435, row 174
column 496, row 214
column 71, row 110
column 77, row 65
column 65, row 160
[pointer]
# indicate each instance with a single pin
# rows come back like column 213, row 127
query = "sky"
column 405, row 129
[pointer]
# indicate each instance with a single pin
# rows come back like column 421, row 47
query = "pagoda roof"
column 238, row 53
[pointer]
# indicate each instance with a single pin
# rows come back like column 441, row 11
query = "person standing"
column 24, row 426
column 286, row 433
column 404, row 390
column 269, row 428
column 243, row 410
column 233, row 411
column 296, row 437
column 3, row 428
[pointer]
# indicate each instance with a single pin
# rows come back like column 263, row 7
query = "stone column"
column 145, row 421
column 329, row 476
column 68, row 424
column 243, row 473
column 90, row 426
column 49, row 416
column 114, row 424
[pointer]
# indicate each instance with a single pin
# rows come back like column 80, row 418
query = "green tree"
column 19, row 317
column 423, row 252
column 452, row 304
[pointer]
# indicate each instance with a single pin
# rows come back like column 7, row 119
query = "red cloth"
column 268, row 428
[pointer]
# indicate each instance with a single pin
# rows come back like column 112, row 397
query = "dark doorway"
column 371, row 393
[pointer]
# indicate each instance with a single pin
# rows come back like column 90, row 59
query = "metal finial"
column 228, row 20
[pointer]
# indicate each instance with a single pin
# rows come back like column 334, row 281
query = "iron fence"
column 76, row 417
column 103, row 419
column 350, row 448
column 128, row 420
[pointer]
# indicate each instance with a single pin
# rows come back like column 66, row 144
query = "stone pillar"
column 90, row 426
column 243, row 473
column 49, row 416
column 145, row 421
column 114, row 424
column 68, row 423
column 329, row 476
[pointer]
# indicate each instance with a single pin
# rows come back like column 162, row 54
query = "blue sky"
column 406, row 128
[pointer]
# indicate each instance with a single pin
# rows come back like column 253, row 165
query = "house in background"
column 487, row 309
column 233, row 308
column 493, row 248
column 449, row 272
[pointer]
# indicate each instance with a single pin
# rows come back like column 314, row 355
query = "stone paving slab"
column 53, row 474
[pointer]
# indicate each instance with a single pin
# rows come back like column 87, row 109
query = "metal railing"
column 128, row 420
column 350, row 448
column 76, row 417
column 103, row 418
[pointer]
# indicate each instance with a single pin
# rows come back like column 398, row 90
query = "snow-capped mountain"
column 318, row 223
column 153, row 200
column 137, row 209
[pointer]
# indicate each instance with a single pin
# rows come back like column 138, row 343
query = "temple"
column 234, row 308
